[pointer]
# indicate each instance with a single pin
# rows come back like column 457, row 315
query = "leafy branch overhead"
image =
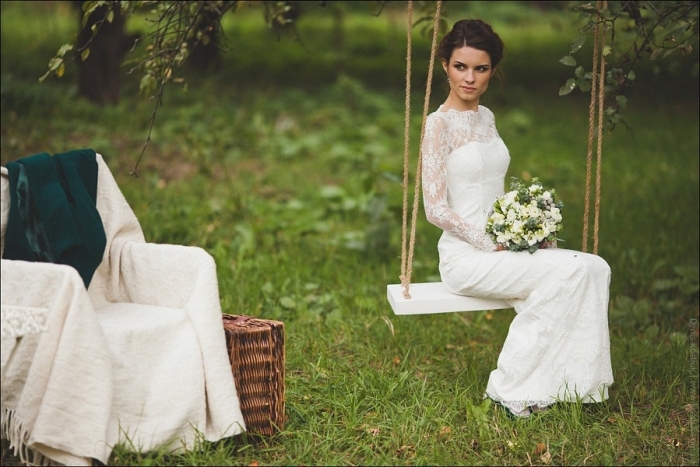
column 634, row 31
column 174, row 29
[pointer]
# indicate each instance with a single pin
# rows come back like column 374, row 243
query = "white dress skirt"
column 558, row 345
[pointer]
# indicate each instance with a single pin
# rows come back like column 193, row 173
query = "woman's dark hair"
column 473, row 33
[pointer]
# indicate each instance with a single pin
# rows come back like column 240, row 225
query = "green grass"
column 295, row 194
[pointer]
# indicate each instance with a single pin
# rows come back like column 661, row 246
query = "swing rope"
column 406, row 131
column 407, row 257
column 597, row 98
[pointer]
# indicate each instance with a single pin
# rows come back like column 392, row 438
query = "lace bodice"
column 464, row 165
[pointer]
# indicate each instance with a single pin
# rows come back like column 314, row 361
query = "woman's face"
column 469, row 71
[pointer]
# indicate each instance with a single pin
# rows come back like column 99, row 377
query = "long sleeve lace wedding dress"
column 558, row 345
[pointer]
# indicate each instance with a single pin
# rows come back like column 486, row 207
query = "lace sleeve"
column 435, row 150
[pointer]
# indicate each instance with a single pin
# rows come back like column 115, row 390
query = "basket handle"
column 240, row 319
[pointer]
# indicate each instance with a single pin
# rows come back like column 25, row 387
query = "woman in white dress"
column 558, row 345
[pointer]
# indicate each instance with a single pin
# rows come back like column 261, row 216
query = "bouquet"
column 525, row 217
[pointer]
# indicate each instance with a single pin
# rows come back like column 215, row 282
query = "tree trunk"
column 99, row 74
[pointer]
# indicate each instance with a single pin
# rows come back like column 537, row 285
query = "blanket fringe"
column 12, row 429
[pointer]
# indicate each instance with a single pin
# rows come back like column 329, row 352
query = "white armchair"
column 139, row 358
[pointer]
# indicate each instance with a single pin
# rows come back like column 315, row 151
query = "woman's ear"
column 444, row 64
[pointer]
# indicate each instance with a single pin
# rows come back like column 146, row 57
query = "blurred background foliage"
column 282, row 157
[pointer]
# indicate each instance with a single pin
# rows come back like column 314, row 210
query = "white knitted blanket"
column 140, row 358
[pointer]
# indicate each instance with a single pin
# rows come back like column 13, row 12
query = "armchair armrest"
column 59, row 376
column 174, row 276
column 182, row 277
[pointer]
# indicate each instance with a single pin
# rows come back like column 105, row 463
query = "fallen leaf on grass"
column 445, row 430
column 254, row 464
column 542, row 450
column 396, row 360
column 406, row 448
column 374, row 431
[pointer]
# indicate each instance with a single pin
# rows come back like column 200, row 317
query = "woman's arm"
column 435, row 150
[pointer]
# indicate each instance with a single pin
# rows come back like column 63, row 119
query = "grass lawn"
column 297, row 195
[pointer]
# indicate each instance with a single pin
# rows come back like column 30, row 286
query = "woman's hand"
column 548, row 244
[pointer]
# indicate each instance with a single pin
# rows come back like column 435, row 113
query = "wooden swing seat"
column 433, row 297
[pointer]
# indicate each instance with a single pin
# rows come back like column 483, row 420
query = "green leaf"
column 63, row 49
column 621, row 101
column 147, row 83
column 85, row 54
column 568, row 60
column 577, row 43
column 87, row 13
column 583, row 84
column 678, row 338
column 568, row 87
column 56, row 66
column 288, row 302
column 588, row 7
column 651, row 332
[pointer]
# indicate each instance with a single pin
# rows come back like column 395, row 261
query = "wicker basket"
column 256, row 353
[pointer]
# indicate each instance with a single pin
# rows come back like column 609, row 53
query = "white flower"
column 556, row 214
column 497, row 218
column 511, row 222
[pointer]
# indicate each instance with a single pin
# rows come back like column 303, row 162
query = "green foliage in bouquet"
column 525, row 217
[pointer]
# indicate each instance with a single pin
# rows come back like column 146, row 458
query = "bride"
column 558, row 345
